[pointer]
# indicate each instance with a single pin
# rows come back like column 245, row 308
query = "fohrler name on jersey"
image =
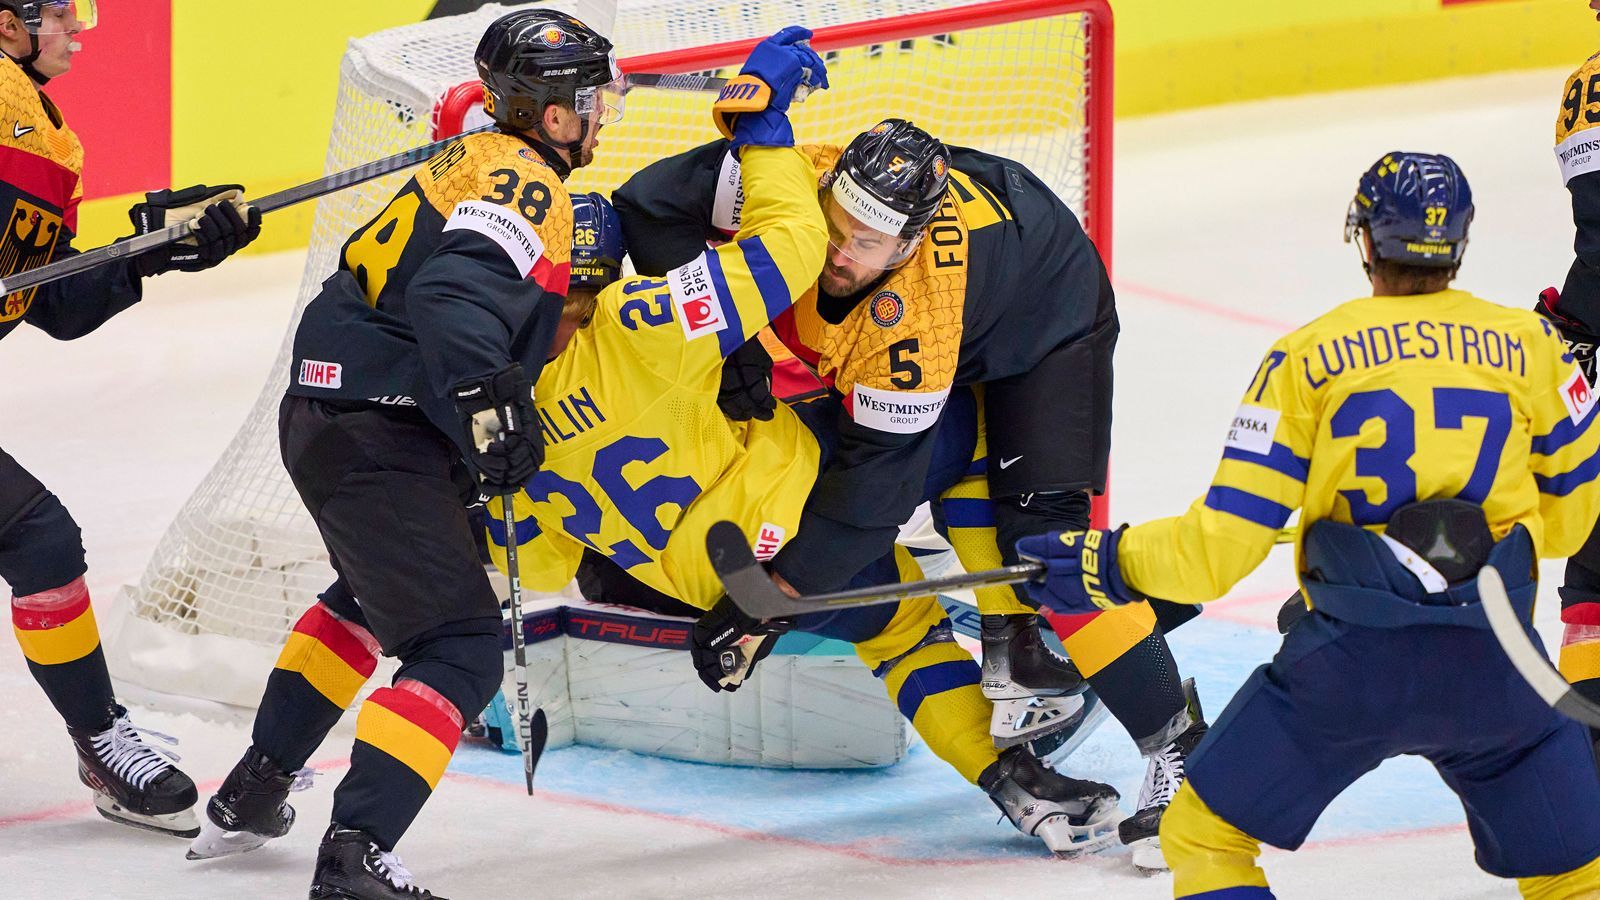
column 696, row 296
column 500, row 225
column 897, row 412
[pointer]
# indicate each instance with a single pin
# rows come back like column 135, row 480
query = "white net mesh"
column 242, row 560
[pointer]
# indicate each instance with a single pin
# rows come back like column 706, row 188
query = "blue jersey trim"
column 935, row 679
column 1279, row 459
column 1248, row 506
column 769, row 278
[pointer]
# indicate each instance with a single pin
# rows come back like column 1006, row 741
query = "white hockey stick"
column 1529, row 662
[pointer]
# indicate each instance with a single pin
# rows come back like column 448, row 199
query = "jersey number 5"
column 1390, row 462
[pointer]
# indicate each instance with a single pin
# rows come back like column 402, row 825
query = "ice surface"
column 1227, row 234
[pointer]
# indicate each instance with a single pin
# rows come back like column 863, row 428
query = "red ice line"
column 1204, row 306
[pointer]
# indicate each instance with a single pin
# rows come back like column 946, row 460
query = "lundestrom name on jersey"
column 897, row 412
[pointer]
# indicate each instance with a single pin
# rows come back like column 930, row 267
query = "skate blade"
column 179, row 824
column 1145, row 854
column 213, row 842
column 1054, row 750
column 1019, row 721
column 1069, row 841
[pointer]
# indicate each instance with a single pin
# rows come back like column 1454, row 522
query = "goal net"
column 1026, row 79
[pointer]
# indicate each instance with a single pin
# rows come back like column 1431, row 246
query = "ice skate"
column 351, row 867
column 1164, row 775
column 1018, row 664
column 1072, row 817
column 249, row 808
column 136, row 783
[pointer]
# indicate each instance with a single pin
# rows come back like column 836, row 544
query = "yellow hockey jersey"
column 639, row 460
column 1382, row 402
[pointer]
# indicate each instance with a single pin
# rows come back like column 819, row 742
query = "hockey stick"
column 532, row 730
column 1525, row 656
column 752, row 590
column 311, row 190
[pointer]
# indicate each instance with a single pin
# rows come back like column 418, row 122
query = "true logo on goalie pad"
column 321, row 374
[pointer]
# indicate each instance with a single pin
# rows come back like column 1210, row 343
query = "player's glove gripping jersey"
column 463, row 273
column 640, row 461
column 1341, row 415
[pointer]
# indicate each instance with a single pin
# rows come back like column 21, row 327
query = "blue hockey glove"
column 1081, row 574
column 752, row 109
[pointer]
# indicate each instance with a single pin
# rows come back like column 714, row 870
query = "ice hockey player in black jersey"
column 949, row 268
column 411, row 391
column 41, row 547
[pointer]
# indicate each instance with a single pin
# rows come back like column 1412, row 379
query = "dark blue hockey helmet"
column 597, row 246
column 1416, row 206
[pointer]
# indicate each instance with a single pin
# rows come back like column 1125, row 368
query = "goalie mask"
column 886, row 187
column 532, row 58
column 49, row 17
column 1417, row 207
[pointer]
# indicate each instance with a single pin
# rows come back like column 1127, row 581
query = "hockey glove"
column 1081, row 574
column 1580, row 342
column 498, row 416
column 727, row 644
column 753, row 108
column 747, row 384
column 224, row 224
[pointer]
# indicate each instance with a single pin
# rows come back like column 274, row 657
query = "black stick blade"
column 746, row 582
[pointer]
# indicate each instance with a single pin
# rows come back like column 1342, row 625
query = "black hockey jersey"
column 41, row 185
column 1004, row 275
column 463, row 273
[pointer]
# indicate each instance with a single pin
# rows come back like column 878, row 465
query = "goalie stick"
column 311, row 190
column 1525, row 656
column 752, row 589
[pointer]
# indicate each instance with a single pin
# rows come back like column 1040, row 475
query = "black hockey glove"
column 498, row 416
column 1580, row 342
column 727, row 644
column 747, row 384
column 224, row 225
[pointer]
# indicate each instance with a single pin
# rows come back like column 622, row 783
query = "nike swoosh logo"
column 1006, row 463
column 18, row 131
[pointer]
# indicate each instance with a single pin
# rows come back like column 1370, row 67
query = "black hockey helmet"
column 891, row 178
column 49, row 17
column 531, row 58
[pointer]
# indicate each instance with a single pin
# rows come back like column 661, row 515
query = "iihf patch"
column 553, row 36
column 888, row 309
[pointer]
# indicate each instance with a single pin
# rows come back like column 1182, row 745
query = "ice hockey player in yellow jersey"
column 1423, row 433
column 640, row 462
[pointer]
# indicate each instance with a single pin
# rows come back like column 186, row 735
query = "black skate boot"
column 1141, row 832
column 135, row 783
column 249, row 809
column 351, row 867
column 1072, row 817
column 1035, row 691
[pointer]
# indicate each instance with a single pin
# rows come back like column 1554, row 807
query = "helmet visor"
column 65, row 16
column 605, row 101
column 863, row 244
